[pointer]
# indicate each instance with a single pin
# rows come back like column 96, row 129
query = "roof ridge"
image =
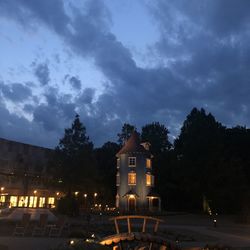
column 133, row 144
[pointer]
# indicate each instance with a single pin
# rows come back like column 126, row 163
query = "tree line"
column 207, row 163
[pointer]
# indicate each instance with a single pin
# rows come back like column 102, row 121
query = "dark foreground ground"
column 188, row 230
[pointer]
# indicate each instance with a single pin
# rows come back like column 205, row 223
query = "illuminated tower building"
column 135, row 179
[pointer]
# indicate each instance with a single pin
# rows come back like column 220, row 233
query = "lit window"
column 33, row 201
column 148, row 179
column 51, row 200
column 131, row 161
column 23, row 201
column 118, row 163
column 117, row 179
column 2, row 198
column 131, row 178
column 13, row 201
column 42, row 202
column 148, row 163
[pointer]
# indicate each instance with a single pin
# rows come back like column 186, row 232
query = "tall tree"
column 198, row 149
column 157, row 135
column 127, row 130
column 106, row 163
column 73, row 160
column 199, row 133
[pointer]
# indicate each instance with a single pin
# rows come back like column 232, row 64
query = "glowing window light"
column 32, row 201
column 23, row 201
column 148, row 179
column 13, row 201
column 131, row 178
column 41, row 201
column 2, row 198
column 148, row 163
column 51, row 200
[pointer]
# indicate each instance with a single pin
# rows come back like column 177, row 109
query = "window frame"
column 132, row 158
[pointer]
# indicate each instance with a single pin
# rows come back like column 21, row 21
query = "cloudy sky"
column 134, row 61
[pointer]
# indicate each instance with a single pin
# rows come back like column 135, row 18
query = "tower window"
column 148, row 163
column 118, row 163
column 149, row 180
column 131, row 178
column 131, row 161
column 118, row 179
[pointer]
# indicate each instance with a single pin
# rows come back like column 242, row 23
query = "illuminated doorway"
column 131, row 203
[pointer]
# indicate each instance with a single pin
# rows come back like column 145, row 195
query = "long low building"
column 24, row 179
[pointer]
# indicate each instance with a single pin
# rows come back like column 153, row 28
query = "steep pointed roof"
column 133, row 144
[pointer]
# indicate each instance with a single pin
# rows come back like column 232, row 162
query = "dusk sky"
column 116, row 61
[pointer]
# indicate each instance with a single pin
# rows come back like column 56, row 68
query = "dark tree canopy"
column 127, row 130
column 200, row 132
column 157, row 135
column 106, row 163
column 198, row 149
column 75, row 139
column 207, row 162
column 73, row 160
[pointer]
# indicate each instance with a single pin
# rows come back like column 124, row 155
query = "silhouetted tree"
column 73, row 162
column 127, row 130
column 106, row 163
column 198, row 151
column 157, row 135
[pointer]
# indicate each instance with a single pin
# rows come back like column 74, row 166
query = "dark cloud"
column 87, row 95
column 219, row 17
column 203, row 53
column 210, row 54
column 42, row 73
column 75, row 82
column 29, row 108
column 56, row 113
column 20, row 129
column 15, row 92
column 28, row 11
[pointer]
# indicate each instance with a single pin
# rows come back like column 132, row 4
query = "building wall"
column 141, row 189
column 23, row 174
